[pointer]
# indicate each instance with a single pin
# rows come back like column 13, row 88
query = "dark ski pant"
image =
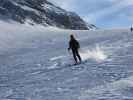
column 76, row 55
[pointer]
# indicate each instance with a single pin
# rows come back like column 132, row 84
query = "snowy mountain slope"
column 34, row 59
column 41, row 12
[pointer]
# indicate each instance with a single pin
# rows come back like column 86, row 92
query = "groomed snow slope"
column 34, row 64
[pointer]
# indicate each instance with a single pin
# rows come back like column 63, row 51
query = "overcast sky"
column 102, row 13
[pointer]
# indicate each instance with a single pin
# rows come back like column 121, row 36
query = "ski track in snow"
column 38, row 67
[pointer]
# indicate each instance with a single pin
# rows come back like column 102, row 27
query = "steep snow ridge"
column 2, row 8
column 29, row 9
column 15, row 3
column 52, row 8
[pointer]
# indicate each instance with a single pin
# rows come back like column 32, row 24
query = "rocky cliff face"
column 41, row 12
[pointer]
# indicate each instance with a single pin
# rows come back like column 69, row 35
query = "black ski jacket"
column 74, row 44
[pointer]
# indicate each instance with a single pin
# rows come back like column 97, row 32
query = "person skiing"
column 74, row 46
column 131, row 28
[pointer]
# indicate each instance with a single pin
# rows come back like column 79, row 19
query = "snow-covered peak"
column 40, row 12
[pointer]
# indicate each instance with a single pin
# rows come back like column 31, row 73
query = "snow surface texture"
column 34, row 64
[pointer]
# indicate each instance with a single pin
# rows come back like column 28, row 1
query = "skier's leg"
column 78, row 55
column 74, row 56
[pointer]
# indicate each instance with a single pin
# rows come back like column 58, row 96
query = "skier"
column 74, row 46
column 131, row 28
